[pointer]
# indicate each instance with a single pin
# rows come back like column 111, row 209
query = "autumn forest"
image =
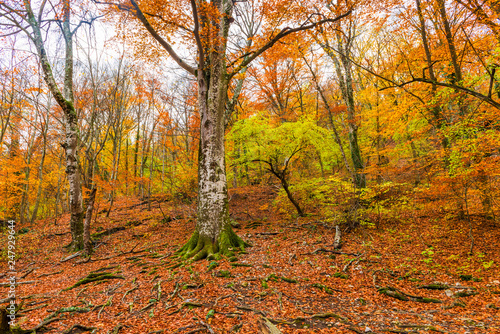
column 248, row 166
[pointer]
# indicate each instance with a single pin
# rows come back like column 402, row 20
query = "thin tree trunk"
column 457, row 71
column 330, row 118
column 343, row 68
column 126, row 166
column 290, row 196
column 40, row 174
column 136, row 154
column 150, row 174
column 436, row 109
column 87, row 242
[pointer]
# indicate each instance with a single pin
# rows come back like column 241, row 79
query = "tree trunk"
column 136, row 154
column 290, row 197
column 336, row 136
column 40, row 174
column 213, row 233
column 343, row 68
column 87, row 242
column 4, row 321
column 456, row 76
column 347, row 89
column 75, row 190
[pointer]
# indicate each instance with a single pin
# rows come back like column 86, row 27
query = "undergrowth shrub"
column 336, row 201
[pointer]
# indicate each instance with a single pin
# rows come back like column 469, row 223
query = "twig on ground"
column 49, row 274
column 329, row 251
column 248, row 308
column 109, row 302
column 222, row 297
column 27, row 273
column 207, row 326
column 17, row 283
column 352, row 261
column 129, row 291
column 116, row 329
column 72, row 256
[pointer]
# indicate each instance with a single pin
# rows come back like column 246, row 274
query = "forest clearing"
column 249, row 166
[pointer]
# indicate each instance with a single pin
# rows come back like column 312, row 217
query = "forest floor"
column 290, row 277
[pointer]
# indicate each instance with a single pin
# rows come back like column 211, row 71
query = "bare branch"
column 159, row 39
column 86, row 22
column 468, row 91
column 40, row 12
column 284, row 32
column 196, row 32
column 175, row 24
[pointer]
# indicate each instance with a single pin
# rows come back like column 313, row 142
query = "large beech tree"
column 204, row 26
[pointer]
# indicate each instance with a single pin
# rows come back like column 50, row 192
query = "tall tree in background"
column 340, row 48
column 22, row 17
column 206, row 25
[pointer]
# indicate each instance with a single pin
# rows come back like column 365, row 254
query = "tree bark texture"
column 213, row 234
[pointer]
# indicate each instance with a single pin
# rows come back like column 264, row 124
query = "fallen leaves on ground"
column 288, row 278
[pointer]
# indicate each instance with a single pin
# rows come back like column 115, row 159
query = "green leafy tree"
column 278, row 147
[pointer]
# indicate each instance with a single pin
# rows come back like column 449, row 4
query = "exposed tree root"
column 324, row 288
column 67, row 310
column 199, row 247
column 109, row 302
column 5, row 328
column 116, row 329
column 40, row 326
column 395, row 293
column 116, row 229
column 50, row 274
column 94, row 277
column 78, row 329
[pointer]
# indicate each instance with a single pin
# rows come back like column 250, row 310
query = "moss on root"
column 201, row 247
